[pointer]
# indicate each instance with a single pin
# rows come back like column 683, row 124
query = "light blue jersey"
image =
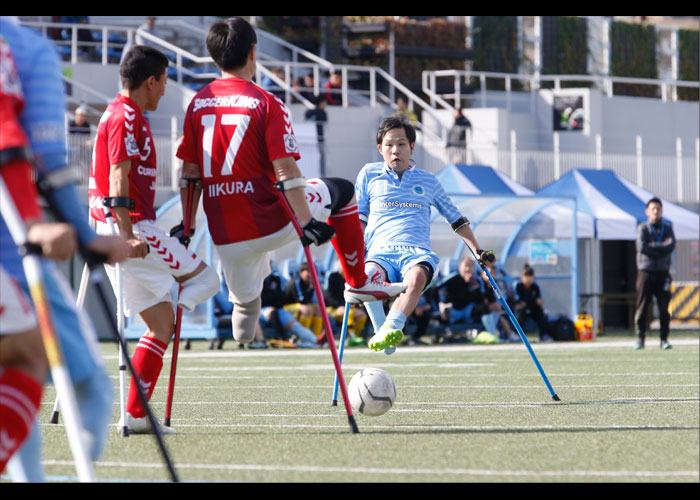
column 397, row 211
column 43, row 120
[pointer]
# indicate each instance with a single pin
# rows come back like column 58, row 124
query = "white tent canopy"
column 618, row 205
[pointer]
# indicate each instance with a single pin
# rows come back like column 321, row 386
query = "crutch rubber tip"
column 556, row 398
column 166, row 421
column 54, row 418
column 125, row 431
column 353, row 425
column 334, row 402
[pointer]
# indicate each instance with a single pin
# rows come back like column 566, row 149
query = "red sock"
column 147, row 362
column 349, row 244
column 20, row 397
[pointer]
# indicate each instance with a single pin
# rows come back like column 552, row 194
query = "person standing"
column 33, row 158
column 457, row 138
column 239, row 142
column 655, row 244
column 395, row 200
column 124, row 171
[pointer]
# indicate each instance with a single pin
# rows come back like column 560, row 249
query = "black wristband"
column 459, row 223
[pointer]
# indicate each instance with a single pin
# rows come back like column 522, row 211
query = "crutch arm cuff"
column 185, row 182
column 294, row 182
column 119, row 201
column 462, row 221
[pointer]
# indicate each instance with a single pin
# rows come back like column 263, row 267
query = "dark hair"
column 139, row 64
column 654, row 200
column 528, row 270
column 229, row 42
column 396, row 121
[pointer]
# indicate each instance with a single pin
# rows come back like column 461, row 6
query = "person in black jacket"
column 529, row 302
column 457, row 138
column 655, row 244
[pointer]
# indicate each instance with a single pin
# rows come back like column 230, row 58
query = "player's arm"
column 464, row 230
column 191, row 174
column 119, row 187
column 286, row 169
column 289, row 176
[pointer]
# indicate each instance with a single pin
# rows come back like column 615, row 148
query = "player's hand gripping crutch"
column 186, row 222
column 305, row 241
column 515, row 323
column 59, row 371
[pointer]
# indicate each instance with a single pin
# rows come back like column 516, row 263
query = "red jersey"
column 16, row 174
column 234, row 130
column 124, row 134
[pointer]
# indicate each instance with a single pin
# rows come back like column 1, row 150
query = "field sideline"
column 464, row 413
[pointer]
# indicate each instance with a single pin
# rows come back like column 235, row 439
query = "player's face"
column 654, row 212
column 466, row 269
column 156, row 91
column 396, row 150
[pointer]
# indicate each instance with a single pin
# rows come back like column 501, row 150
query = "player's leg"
column 391, row 332
column 643, row 301
column 147, row 361
column 23, row 368
column 417, row 268
column 94, row 390
column 662, row 291
column 348, row 242
column 169, row 256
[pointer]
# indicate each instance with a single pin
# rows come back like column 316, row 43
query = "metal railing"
column 198, row 70
column 462, row 79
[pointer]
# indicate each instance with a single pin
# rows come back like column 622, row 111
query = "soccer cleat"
column 385, row 338
column 372, row 290
column 639, row 346
column 665, row 345
column 143, row 426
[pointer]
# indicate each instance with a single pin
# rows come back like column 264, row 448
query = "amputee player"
column 239, row 141
column 124, row 169
column 32, row 130
column 395, row 200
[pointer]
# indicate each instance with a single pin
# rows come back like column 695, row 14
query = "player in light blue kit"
column 395, row 200
column 43, row 120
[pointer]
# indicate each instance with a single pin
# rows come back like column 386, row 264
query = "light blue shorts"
column 397, row 260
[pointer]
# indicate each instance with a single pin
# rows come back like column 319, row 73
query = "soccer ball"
column 372, row 392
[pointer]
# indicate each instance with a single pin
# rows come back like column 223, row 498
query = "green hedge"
column 633, row 54
column 688, row 66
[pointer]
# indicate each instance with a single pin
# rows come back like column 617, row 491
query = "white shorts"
column 246, row 264
column 16, row 310
column 148, row 281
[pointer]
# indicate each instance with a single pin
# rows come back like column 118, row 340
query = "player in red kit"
column 124, row 172
column 238, row 140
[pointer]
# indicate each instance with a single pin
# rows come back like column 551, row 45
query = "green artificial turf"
column 464, row 413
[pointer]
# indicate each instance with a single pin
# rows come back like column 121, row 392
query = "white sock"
column 375, row 311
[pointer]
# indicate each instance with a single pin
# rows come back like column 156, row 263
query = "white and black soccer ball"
column 372, row 392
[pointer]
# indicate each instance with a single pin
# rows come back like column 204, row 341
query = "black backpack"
column 562, row 329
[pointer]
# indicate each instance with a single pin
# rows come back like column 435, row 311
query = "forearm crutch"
column 343, row 335
column 80, row 300
column 191, row 183
column 59, row 372
column 108, row 204
column 322, row 305
column 515, row 323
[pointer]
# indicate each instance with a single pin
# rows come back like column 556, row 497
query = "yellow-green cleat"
column 386, row 337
